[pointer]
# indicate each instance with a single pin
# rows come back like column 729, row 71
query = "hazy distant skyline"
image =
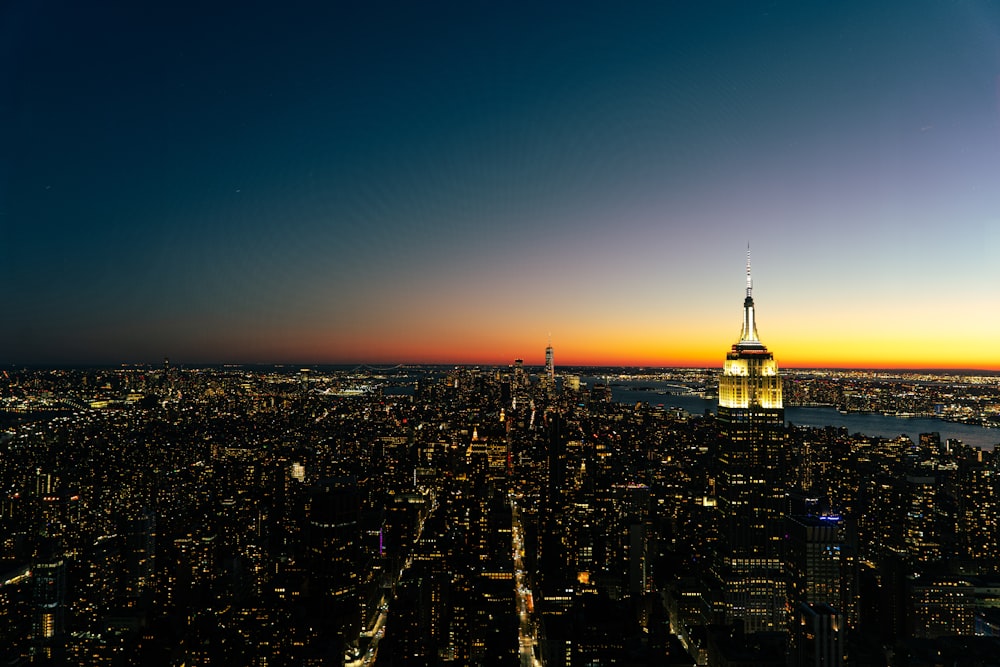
column 397, row 182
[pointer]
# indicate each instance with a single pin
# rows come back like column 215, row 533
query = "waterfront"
column 886, row 426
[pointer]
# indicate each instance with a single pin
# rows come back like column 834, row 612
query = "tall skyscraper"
column 751, row 481
column 334, row 554
column 49, row 598
column 820, row 561
column 550, row 369
column 922, row 532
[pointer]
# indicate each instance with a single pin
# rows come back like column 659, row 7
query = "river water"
column 869, row 424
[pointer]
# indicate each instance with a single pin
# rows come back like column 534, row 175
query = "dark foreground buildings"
column 471, row 516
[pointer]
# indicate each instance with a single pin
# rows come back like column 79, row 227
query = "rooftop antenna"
column 749, row 334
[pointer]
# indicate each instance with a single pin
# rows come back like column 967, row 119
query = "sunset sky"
column 458, row 182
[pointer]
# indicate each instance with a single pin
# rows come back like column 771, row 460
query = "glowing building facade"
column 750, row 380
column 751, row 483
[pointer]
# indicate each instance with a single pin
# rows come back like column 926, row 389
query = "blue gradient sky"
column 341, row 182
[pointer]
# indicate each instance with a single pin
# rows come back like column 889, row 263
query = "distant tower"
column 550, row 369
column 751, row 483
column 520, row 379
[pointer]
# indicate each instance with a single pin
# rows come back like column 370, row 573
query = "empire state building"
column 750, row 485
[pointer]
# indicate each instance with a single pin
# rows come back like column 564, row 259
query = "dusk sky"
column 387, row 182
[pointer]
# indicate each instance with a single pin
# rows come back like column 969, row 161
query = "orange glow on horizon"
column 607, row 344
column 802, row 359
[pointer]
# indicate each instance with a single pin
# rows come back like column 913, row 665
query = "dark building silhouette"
column 817, row 636
column 334, row 554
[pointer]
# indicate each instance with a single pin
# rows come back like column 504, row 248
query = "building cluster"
column 479, row 516
column 967, row 399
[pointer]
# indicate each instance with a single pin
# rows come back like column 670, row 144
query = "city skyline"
column 332, row 184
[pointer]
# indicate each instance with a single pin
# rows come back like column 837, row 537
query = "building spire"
column 749, row 279
column 748, row 336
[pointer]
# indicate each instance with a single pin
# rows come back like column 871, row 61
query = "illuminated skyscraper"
column 922, row 532
column 520, row 379
column 751, row 480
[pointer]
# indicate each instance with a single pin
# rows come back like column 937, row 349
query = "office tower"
column 817, row 636
column 98, row 580
column 553, row 573
column 520, row 379
column 635, row 542
column 921, row 524
column 550, row 370
column 978, row 508
column 139, row 532
column 493, row 628
column 16, row 617
column 409, row 640
column 820, row 564
column 49, row 601
column 751, row 482
column 941, row 606
column 193, row 571
column 334, row 554
column 45, row 483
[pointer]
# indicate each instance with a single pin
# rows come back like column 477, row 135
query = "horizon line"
column 470, row 364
